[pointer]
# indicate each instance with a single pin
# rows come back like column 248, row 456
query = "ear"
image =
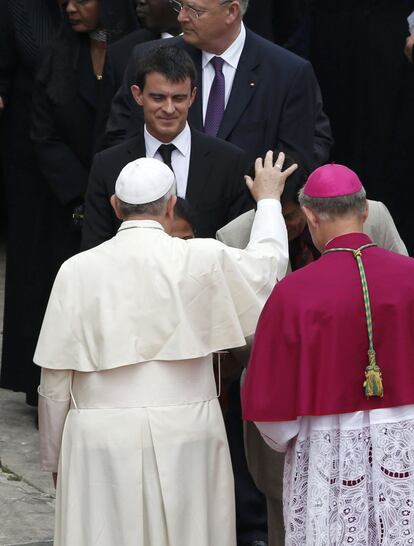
column 366, row 211
column 114, row 203
column 137, row 94
column 233, row 12
column 170, row 207
column 193, row 95
column 311, row 217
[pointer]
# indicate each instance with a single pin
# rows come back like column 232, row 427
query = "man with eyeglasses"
column 264, row 97
column 159, row 21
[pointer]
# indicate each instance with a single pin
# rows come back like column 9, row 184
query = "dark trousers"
column 251, row 510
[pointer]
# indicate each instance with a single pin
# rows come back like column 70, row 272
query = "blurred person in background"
column 64, row 99
column 357, row 51
column 25, row 28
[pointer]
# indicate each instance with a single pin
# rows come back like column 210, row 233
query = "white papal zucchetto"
column 143, row 180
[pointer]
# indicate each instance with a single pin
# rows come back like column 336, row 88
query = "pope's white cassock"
column 128, row 405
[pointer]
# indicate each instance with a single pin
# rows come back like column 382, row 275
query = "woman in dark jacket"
column 64, row 110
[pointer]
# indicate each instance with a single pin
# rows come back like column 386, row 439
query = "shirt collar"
column 232, row 54
column 182, row 142
column 166, row 35
column 349, row 240
column 148, row 224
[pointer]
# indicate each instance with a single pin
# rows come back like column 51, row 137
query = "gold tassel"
column 373, row 378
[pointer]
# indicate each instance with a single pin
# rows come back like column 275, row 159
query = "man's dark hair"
column 294, row 182
column 183, row 210
column 173, row 63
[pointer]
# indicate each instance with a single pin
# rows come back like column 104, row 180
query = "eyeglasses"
column 193, row 12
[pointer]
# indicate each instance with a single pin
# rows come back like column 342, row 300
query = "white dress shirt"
column 231, row 59
column 180, row 157
column 166, row 35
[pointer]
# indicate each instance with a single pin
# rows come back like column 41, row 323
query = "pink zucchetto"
column 332, row 180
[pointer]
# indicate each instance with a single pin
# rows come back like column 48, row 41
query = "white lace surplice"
column 349, row 479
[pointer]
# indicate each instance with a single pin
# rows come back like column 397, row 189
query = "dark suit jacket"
column 62, row 132
column 275, row 102
column 215, row 189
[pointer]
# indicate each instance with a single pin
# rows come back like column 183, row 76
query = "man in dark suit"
column 271, row 98
column 209, row 172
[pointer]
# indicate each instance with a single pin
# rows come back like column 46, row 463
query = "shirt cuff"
column 268, row 221
column 52, row 416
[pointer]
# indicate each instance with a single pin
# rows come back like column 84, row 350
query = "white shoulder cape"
column 144, row 295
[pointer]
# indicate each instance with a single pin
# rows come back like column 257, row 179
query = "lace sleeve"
column 54, row 403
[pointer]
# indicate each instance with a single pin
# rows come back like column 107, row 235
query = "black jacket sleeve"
column 99, row 222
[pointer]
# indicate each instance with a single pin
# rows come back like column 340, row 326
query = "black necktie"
column 165, row 151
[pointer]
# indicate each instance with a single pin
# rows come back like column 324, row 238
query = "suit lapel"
column 199, row 169
column 244, row 86
column 131, row 149
column 136, row 147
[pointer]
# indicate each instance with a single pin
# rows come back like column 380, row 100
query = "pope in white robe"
column 128, row 409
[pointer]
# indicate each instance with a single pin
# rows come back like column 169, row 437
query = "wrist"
column 266, row 197
column 269, row 203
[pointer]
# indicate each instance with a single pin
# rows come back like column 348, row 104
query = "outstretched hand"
column 269, row 180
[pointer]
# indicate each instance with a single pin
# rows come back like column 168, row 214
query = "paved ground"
column 26, row 493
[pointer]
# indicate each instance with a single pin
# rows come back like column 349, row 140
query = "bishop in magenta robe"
column 349, row 468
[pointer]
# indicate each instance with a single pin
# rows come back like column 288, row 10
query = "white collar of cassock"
column 139, row 224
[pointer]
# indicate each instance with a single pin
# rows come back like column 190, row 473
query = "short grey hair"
column 244, row 4
column 330, row 208
column 155, row 208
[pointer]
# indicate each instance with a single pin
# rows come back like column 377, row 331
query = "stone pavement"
column 26, row 493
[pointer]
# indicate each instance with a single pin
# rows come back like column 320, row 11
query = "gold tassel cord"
column 373, row 385
column 373, row 378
